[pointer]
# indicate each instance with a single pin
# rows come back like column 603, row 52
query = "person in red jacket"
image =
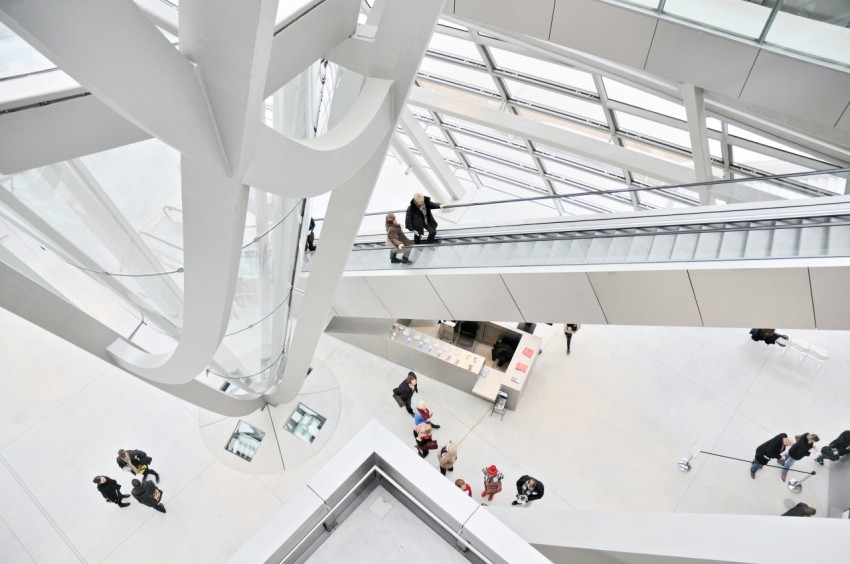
column 463, row 486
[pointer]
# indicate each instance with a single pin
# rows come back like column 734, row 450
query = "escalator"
column 813, row 230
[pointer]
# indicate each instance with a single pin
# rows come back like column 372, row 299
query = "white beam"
column 695, row 111
column 232, row 50
column 127, row 63
column 553, row 136
column 431, row 155
column 309, row 167
column 404, row 153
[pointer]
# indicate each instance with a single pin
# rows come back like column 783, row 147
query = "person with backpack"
column 136, row 462
column 148, row 494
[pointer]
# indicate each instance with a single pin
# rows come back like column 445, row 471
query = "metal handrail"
column 627, row 190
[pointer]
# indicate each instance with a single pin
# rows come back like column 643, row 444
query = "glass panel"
column 505, row 170
column 17, row 57
column 715, row 149
column 515, row 155
column 759, row 161
column 456, row 122
column 554, row 100
column 658, row 152
column 448, row 153
column 713, row 123
column 734, row 16
column 553, row 72
column 546, row 150
column 490, row 102
column 582, row 176
column 607, row 203
column 814, row 27
column 245, row 441
column 638, row 98
column 653, row 129
column 451, row 24
column 458, row 73
column 305, row 423
column 601, row 134
column 454, row 46
column 743, row 133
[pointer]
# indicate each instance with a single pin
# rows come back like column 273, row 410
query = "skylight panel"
column 744, row 134
column 505, row 170
column 497, row 149
column 602, row 135
column 465, row 95
column 652, row 129
column 451, row 45
column 457, row 73
column 582, row 176
column 765, row 163
column 638, row 98
column 555, row 100
column 659, row 152
column 553, row 72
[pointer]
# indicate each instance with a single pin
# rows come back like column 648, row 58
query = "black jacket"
column 770, row 449
column 536, row 493
column 414, row 221
column 137, row 457
column 404, row 390
column 842, row 443
column 801, row 448
column 110, row 490
column 796, row 511
column 144, row 494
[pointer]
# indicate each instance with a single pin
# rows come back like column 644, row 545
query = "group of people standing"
column 528, row 488
column 417, row 219
column 137, row 462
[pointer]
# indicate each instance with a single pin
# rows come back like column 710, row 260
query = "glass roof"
column 470, row 65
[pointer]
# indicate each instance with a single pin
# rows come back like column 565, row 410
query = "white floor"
column 602, row 428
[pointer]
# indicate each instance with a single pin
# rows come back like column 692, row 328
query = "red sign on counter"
column 528, row 352
column 521, row 367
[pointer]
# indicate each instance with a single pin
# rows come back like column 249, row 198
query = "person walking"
column 396, row 240
column 419, row 218
column 569, row 330
column 148, row 494
column 769, row 336
column 422, row 434
column 463, row 486
column 528, row 489
column 447, row 458
column 492, row 481
column 136, row 462
column 110, row 490
column 801, row 448
column 836, row 449
column 770, row 449
column 423, row 414
column 800, row 510
column 406, row 390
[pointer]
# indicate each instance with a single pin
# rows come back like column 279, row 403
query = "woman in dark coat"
column 799, row 450
column 406, row 389
column 419, row 217
column 110, row 490
column 771, row 449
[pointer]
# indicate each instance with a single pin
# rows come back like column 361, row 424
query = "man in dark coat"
column 137, row 462
column 148, row 494
column 800, row 510
column 771, row 449
column 419, row 217
column 406, row 389
column 110, row 490
column 529, row 487
column 836, row 449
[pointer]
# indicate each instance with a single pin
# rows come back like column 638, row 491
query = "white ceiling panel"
column 712, row 62
column 409, row 296
column 531, row 17
column 607, row 31
column 829, row 291
column 556, row 297
column 477, row 297
column 355, row 298
column 764, row 297
column 844, row 123
column 660, row 297
column 800, row 88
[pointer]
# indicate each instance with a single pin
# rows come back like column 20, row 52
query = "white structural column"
column 113, row 50
column 695, row 111
column 403, row 152
column 431, row 155
column 395, row 53
column 231, row 47
column 553, row 136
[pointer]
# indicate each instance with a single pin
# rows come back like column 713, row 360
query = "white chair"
column 818, row 355
column 798, row 346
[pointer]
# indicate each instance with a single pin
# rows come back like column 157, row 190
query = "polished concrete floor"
column 602, row 428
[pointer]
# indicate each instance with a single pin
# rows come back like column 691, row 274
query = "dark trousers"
column 150, row 472
column 432, row 234
column 569, row 339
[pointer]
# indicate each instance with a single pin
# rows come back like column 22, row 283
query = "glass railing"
column 815, row 28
